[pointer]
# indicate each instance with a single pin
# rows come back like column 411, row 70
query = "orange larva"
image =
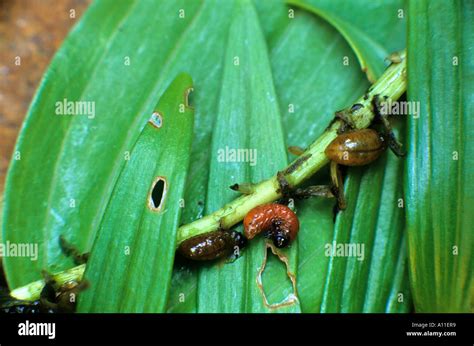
column 278, row 222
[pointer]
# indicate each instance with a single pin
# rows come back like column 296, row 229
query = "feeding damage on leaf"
column 188, row 97
column 156, row 119
column 291, row 298
column 157, row 195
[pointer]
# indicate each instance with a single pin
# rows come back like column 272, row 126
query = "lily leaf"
column 318, row 70
column 248, row 119
column 439, row 175
column 374, row 280
column 304, row 119
column 128, row 65
column 372, row 29
column 289, row 81
column 138, row 231
column 378, row 283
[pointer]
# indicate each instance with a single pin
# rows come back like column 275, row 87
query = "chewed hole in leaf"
column 274, row 279
column 156, row 120
column 157, row 194
column 189, row 98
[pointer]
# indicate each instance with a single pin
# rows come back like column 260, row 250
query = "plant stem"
column 391, row 85
column 32, row 291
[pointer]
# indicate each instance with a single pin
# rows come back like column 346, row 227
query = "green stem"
column 391, row 85
column 32, row 291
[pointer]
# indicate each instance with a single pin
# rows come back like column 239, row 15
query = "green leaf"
column 372, row 281
column 373, row 31
column 305, row 85
column 138, row 231
column 79, row 159
column 439, row 175
column 335, row 284
column 248, row 119
column 299, row 85
column 86, row 156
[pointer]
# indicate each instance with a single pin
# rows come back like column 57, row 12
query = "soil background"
column 32, row 30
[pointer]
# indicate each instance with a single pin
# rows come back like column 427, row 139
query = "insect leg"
column 295, row 150
column 347, row 123
column 71, row 251
column 48, row 293
column 314, row 191
column 285, row 188
column 388, row 134
column 338, row 185
column 66, row 298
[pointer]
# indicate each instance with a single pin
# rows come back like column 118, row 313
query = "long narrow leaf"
column 70, row 163
column 248, row 119
column 439, row 172
column 129, row 62
column 352, row 284
column 138, row 233
column 373, row 29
